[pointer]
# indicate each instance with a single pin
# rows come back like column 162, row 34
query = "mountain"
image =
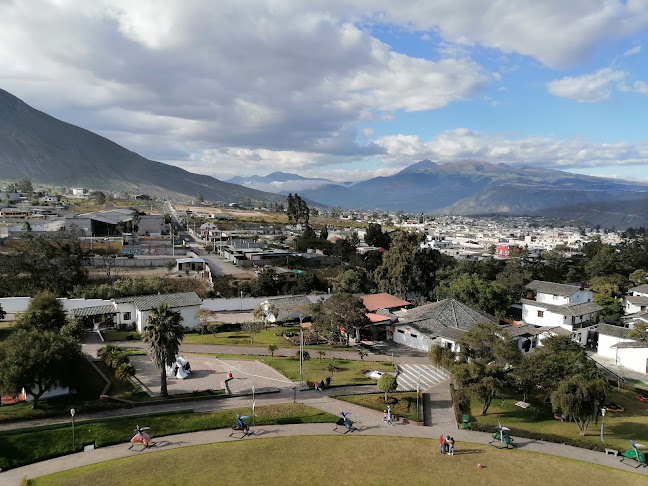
column 49, row 151
column 472, row 187
column 283, row 182
column 610, row 214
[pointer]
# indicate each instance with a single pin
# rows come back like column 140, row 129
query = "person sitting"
column 317, row 386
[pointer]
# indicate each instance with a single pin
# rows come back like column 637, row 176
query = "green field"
column 403, row 404
column 325, row 460
column 350, row 372
column 620, row 428
column 25, row 446
column 241, row 338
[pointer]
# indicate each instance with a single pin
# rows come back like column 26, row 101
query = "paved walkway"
column 367, row 421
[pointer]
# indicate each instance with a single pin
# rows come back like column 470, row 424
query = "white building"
column 614, row 343
column 136, row 310
column 558, row 305
column 637, row 300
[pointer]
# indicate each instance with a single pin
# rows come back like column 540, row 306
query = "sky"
column 345, row 90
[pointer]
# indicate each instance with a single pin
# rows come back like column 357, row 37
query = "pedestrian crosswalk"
column 408, row 376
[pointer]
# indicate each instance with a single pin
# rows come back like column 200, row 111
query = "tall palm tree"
column 163, row 334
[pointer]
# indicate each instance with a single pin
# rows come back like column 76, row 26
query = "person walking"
column 451, row 446
column 441, row 444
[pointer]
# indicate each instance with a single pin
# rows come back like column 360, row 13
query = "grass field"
column 620, row 428
column 403, row 404
column 637, row 382
column 25, row 446
column 350, row 372
column 325, row 460
column 241, row 338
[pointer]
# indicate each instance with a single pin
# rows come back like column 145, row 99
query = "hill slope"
column 49, row 151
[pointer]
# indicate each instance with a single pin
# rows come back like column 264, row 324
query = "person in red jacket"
column 441, row 444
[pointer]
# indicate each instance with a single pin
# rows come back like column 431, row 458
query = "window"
column 540, row 313
column 401, row 331
column 573, row 320
column 414, row 336
column 127, row 316
column 555, row 297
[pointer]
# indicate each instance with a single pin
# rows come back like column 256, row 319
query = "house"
column 134, row 311
column 551, row 304
column 637, row 300
column 614, row 342
column 373, row 302
column 506, row 250
column 288, row 308
column 528, row 337
column 194, row 264
column 437, row 324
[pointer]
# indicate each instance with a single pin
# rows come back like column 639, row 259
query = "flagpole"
column 253, row 406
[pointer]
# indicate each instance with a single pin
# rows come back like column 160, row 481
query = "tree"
column 614, row 285
column 580, row 399
column 485, row 341
column 305, row 355
column 26, row 227
column 272, row 348
column 442, row 356
column 638, row 277
column 252, row 328
column 200, row 198
column 407, row 268
column 339, row 315
column 38, row 361
column 321, row 354
column 612, row 308
column 639, row 332
column 352, row 281
column 24, row 185
column 169, row 266
column 387, row 384
column 331, row 369
column 482, row 381
column 3, row 314
column 263, row 311
column 100, row 197
column 163, row 334
column 363, row 354
column 324, row 233
column 514, row 277
column 472, row 290
column 44, row 312
column 124, row 371
column 375, row 236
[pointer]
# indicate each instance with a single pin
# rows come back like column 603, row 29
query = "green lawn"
column 350, row 372
column 20, row 447
column 347, row 460
column 241, row 338
column 403, row 404
column 620, row 428
column 89, row 387
column 637, row 382
column 119, row 335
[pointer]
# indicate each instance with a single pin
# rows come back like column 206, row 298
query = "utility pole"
column 301, row 357
column 172, row 245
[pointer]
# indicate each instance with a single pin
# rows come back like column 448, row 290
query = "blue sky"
column 339, row 89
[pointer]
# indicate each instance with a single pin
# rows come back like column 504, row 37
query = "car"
column 375, row 374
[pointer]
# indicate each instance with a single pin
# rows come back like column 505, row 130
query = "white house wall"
column 549, row 319
column 633, row 358
column 412, row 338
column 577, row 297
column 605, row 344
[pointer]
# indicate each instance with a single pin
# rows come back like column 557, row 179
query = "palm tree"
column 163, row 334
column 124, row 371
column 321, row 354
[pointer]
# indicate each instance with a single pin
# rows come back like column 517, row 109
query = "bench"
column 608, row 451
column 523, row 405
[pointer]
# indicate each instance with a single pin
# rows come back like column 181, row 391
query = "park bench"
column 608, row 451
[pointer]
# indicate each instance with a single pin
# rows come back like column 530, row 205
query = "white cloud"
column 588, row 88
column 461, row 143
column 640, row 87
column 632, row 51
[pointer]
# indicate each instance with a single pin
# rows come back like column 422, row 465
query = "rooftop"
column 384, row 300
column 614, row 331
column 148, row 302
column 540, row 286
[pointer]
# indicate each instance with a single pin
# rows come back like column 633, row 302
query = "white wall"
column 605, row 343
column 54, row 392
column 188, row 317
column 549, row 319
column 412, row 338
column 577, row 297
column 633, row 358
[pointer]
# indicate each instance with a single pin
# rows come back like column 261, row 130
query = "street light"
column 418, row 391
column 72, row 412
column 603, row 410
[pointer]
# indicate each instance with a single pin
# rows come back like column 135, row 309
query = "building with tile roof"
column 386, row 301
column 614, row 342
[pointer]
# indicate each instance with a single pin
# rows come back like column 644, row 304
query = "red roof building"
column 384, row 300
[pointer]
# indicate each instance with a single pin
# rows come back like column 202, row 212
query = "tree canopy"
column 337, row 316
column 44, row 312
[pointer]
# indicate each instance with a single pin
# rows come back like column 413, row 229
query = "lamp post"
column 72, row 412
column 603, row 425
column 418, row 391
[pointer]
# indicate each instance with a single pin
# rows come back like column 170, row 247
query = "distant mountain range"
column 49, row 151
column 283, row 182
column 471, row 187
